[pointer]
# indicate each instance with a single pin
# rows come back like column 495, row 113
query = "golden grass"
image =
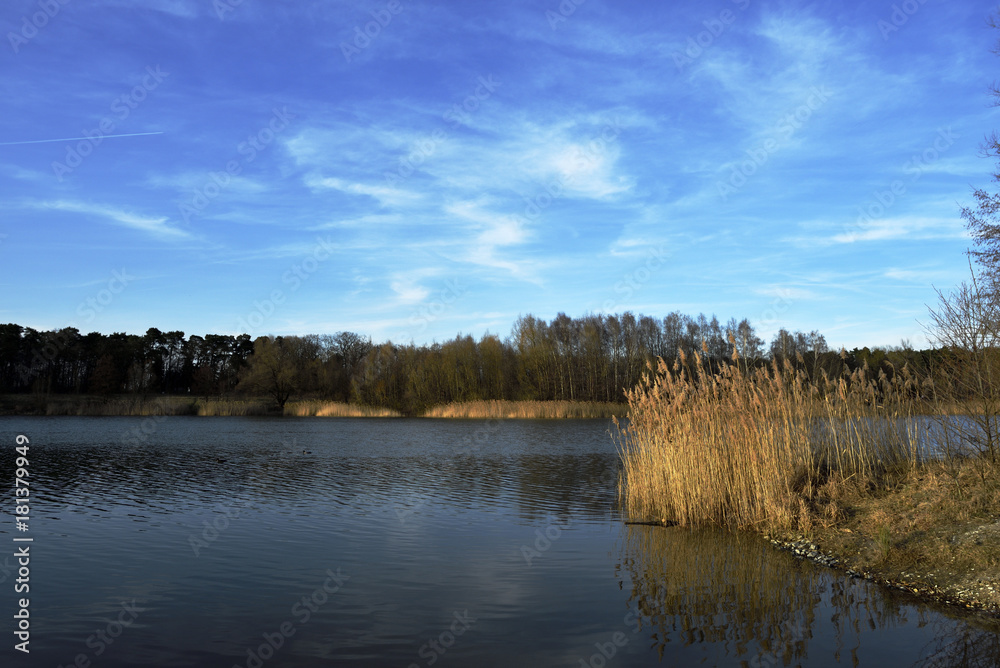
column 527, row 409
column 233, row 407
column 317, row 408
column 941, row 519
column 748, row 447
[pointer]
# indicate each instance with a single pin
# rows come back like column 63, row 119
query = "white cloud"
column 359, row 222
column 900, row 228
column 786, row 292
column 587, row 170
column 492, row 232
column 159, row 227
column 409, row 292
column 384, row 194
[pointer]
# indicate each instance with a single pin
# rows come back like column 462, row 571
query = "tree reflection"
column 718, row 587
column 761, row 607
column 970, row 643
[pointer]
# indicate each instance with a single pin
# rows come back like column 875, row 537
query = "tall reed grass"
column 234, row 407
column 318, row 408
column 527, row 409
column 747, row 447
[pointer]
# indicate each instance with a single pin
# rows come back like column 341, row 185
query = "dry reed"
column 748, row 447
column 527, row 409
column 319, row 408
column 232, row 407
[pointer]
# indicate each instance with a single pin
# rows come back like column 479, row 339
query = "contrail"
column 45, row 141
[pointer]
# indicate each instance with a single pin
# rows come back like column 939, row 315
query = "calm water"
column 409, row 543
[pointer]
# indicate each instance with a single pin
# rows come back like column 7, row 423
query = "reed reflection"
column 716, row 587
column 762, row 607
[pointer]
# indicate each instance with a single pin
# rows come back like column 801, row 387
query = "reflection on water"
column 963, row 646
column 214, row 529
column 769, row 608
column 711, row 586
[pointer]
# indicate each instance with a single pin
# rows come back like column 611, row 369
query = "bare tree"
column 983, row 218
column 966, row 324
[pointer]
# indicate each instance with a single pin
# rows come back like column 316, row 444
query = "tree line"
column 591, row 358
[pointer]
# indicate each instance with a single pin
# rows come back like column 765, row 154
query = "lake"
column 254, row 542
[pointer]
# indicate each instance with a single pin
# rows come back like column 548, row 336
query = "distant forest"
column 593, row 358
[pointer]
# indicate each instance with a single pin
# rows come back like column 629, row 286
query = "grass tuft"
column 527, row 409
column 319, row 408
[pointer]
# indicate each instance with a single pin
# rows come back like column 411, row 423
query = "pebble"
column 806, row 550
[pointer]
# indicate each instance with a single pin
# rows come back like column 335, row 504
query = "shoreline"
column 182, row 405
column 918, row 586
column 933, row 531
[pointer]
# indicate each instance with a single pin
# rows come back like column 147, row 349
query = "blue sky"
column 412, row 170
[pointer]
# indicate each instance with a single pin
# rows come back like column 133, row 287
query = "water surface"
column 400, row 542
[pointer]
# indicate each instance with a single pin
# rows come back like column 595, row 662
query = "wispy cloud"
column 889, row 229
column 408, row 292
column 592, row 149
column 158, row 227
column 383, row 194
column 788, row 292
column 187, row 9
